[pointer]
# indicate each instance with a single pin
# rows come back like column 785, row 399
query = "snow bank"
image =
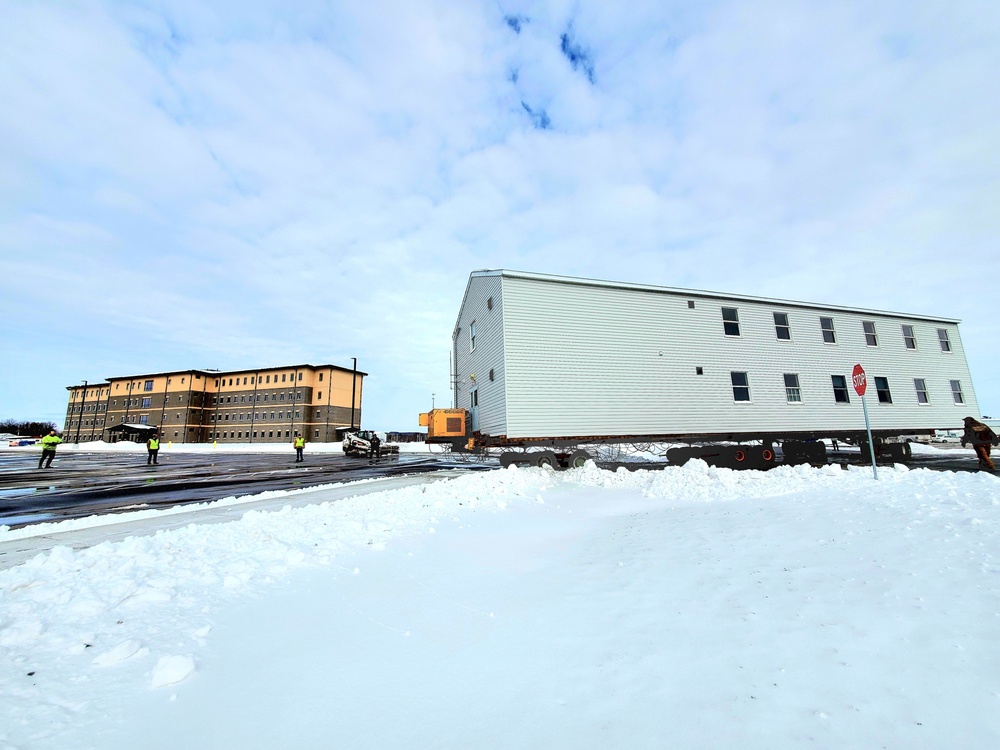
column 80, row 631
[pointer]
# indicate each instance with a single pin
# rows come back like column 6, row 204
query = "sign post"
column 860, row 386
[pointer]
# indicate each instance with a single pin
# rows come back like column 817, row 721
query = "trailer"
column 544, row 365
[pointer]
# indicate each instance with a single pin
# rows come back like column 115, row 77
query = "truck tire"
column 541, row 459
column 578, row 458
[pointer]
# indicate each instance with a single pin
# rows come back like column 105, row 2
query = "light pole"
column 82, row 406
column 354, row 380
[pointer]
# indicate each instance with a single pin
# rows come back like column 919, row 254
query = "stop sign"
column 860, row 380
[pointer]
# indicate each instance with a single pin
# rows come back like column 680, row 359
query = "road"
column 82, row 484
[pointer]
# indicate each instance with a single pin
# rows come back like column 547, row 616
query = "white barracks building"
column 548, row 356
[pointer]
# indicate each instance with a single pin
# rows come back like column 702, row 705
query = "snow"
column 691, row 607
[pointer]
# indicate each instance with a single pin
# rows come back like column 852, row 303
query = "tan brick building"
column 266, row 405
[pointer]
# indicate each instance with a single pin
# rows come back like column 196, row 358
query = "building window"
column 244, row 381
column 300, row 376
column 921, row 388
column 882, row 389
column 908, row 338
column 146, row 403
column 793, row 394
column 143, row 419
column 316, row 433
column 148, row 385
column 321, row 377
column 474, row 397
column 870, row 338
column 472, row 336
column 284, row 377
column 489, row 304
column 267, row 379
column 319, row 395
column 956, row 391
column 943, row 338
column 826, row 325
column 318, row 413
column 781, row 328
column 741, row 386
column 731, row 321
column 840, row 394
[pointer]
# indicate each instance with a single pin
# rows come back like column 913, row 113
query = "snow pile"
column 690, row 607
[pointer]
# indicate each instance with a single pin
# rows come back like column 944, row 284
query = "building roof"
column 698, row 293
column 218, row 373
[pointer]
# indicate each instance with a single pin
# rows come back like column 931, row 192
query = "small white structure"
column 540, row 356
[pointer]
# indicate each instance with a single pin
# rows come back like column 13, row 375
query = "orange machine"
column 443, row 425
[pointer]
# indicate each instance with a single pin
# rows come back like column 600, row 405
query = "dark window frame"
column 840, row 393
column 782, row 327
column 741, row 390
column 882, row 390
column 829, row 332
column 731, row 321
column 793, row 388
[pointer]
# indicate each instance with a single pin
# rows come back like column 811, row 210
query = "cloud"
column 579, row 57
column 218, row 185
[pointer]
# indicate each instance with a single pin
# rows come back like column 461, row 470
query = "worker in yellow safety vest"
column 49, row 443
column 152, row 449
column 299, row 443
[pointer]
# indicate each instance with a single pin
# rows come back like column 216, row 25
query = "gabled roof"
column 697, row 293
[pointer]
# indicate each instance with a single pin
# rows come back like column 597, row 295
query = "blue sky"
column 233, row 185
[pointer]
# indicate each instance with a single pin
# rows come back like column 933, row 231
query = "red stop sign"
column 860, row 380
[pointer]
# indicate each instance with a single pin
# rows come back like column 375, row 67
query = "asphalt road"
column 81, row 484
column 84, row 484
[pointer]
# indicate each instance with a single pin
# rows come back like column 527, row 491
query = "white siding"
column 488, row 354
column 579, row 359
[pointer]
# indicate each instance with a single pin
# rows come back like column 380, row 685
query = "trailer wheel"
column 739, row 456
column 577, row 459
column 541, row 459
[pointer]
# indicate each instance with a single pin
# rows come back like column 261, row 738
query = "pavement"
column 18, row 551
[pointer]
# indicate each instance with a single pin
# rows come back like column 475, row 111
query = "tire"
column 578, row 458
column 543, row 459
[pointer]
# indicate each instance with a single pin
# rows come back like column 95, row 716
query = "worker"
column 299, row 443
column 375, row 453
column 981, row 437
column 152, row 449
column 49, row 443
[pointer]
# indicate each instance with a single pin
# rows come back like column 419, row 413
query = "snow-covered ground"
column 521, row 608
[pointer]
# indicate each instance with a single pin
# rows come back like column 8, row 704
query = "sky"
column 523, row 608
column 240, row 185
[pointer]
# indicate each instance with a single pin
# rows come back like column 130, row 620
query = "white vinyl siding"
column 579, row 358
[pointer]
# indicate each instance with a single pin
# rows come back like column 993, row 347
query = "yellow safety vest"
column 300, row 442
column 154, row 445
